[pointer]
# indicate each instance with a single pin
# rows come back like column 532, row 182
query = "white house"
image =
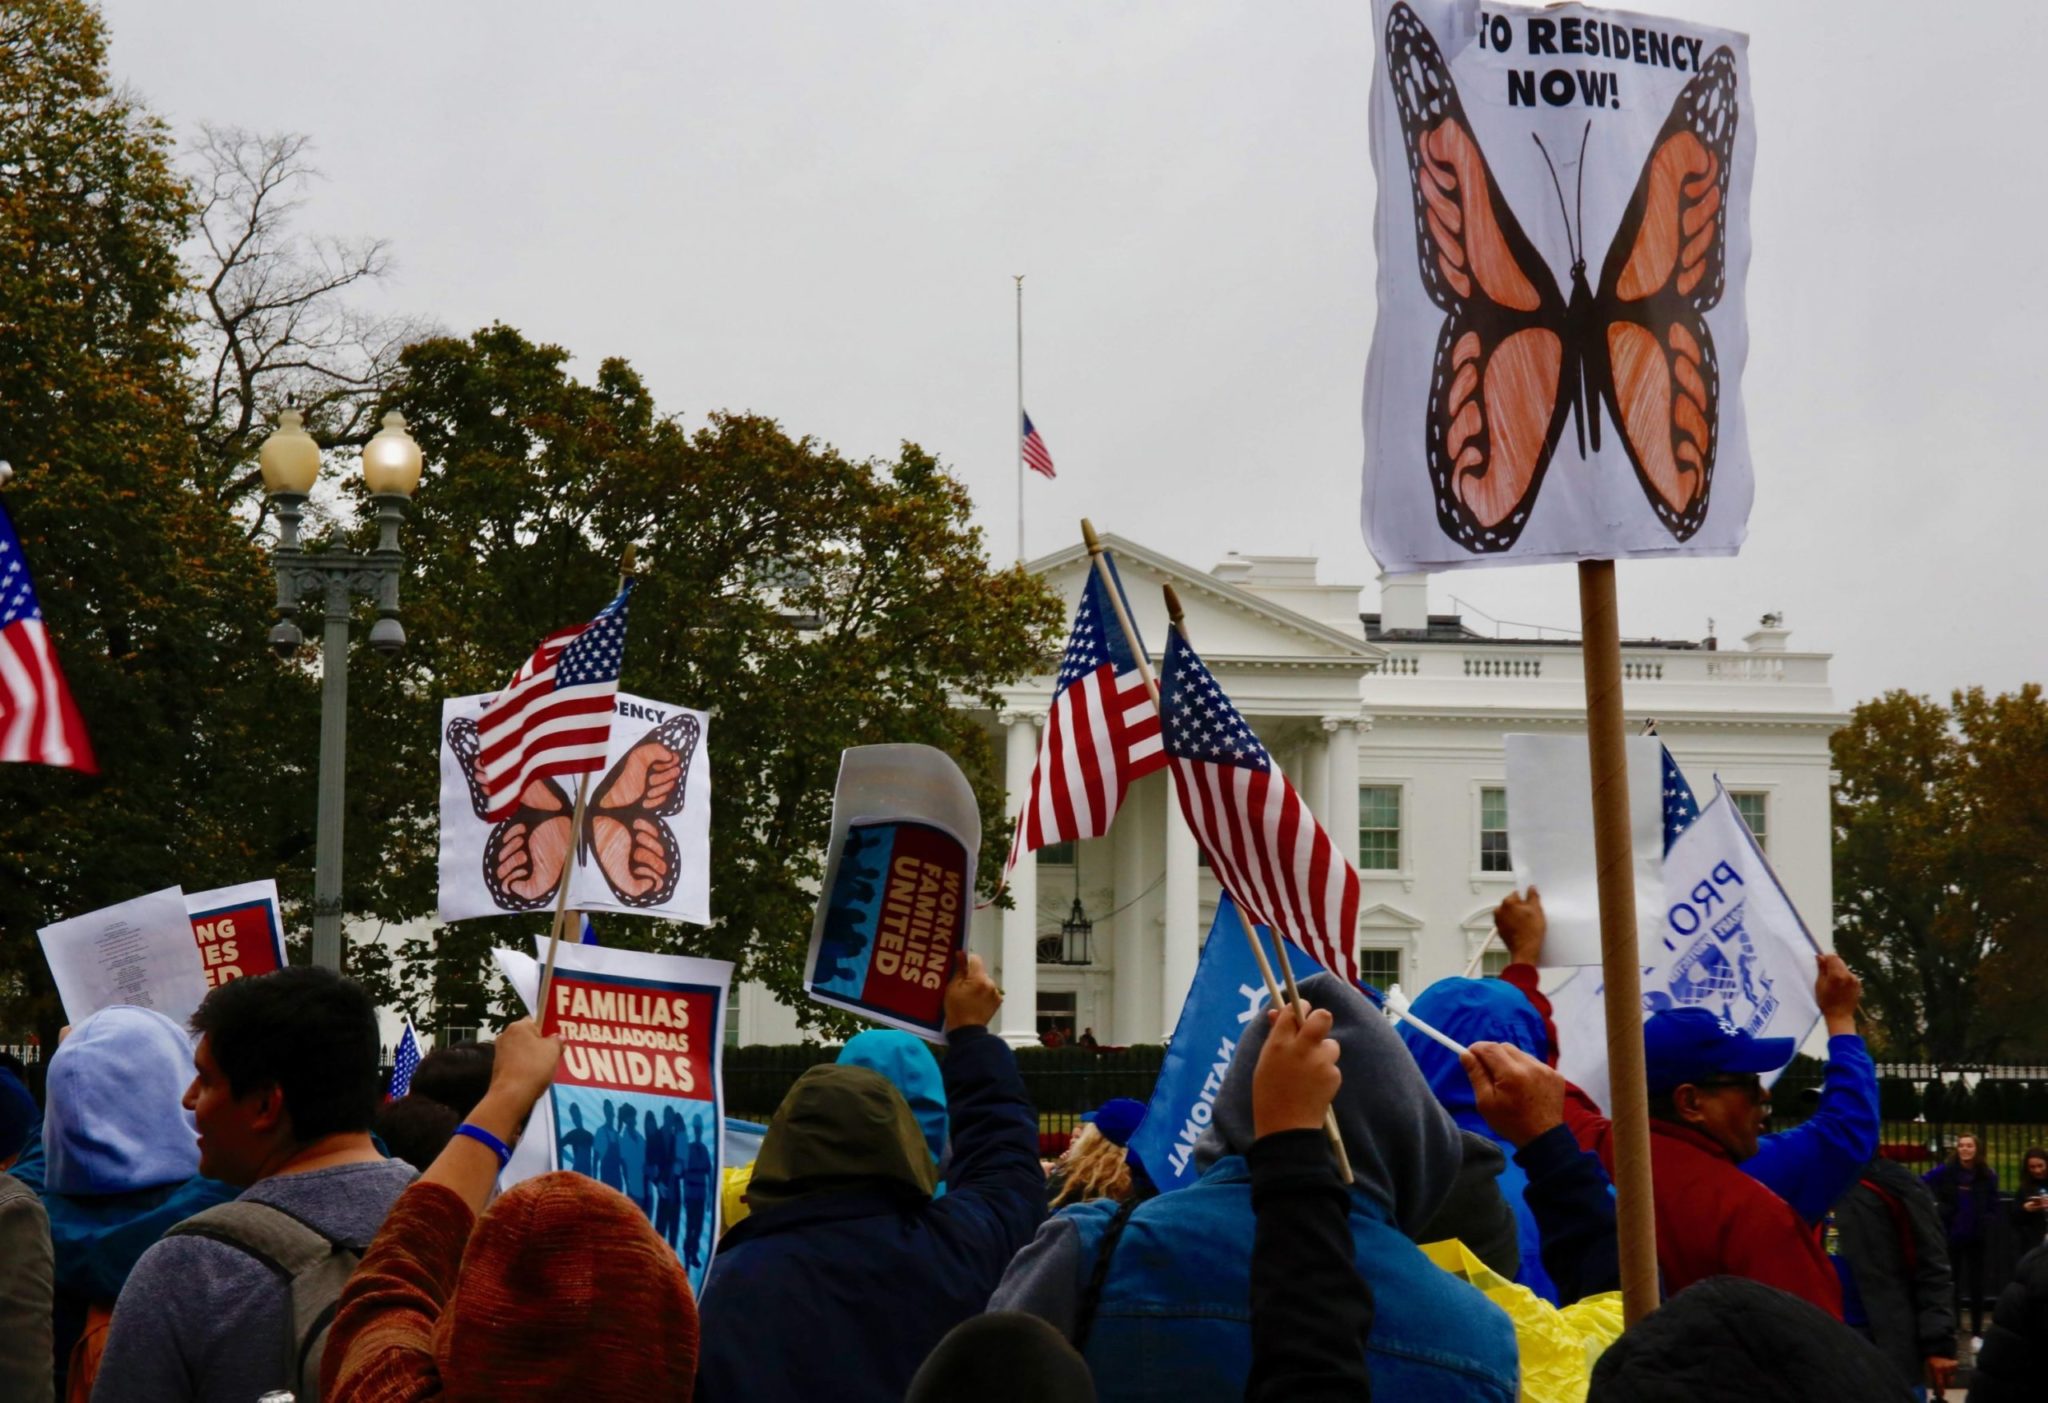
column 1390, row 724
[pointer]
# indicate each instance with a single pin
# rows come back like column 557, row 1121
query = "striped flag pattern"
column 555, row 716
column 39, row 723
column 1102, row 734
column 1036, row 456
column 1269, row 851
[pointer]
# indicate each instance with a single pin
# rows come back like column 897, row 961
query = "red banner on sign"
column 235, row 941
column 627, row 1035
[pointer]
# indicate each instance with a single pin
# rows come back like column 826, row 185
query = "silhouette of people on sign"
column 577, row 1145
column 633, row 1151
column 696, row 1194
column 611, row 1163
column 667, row 1176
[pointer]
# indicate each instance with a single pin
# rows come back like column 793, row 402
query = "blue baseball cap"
column 1117, row 1119
column 1691, row 1045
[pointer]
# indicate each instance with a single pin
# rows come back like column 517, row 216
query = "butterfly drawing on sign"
column 625, row 827
column 1515, row 358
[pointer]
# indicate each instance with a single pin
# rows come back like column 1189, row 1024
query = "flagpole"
column 547, row 976
column 1620, row 960
column 1177, row 619
column 1017, row 424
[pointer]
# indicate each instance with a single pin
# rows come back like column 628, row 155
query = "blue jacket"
column 1484, row 1010
column 841, row 1293
column 1813, row 1164
column 1182, row 1268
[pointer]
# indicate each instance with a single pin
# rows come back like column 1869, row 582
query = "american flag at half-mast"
column 1036, row 456
column 39, row 723
column 1103, row 731
column 405, row 1062
column 555, row 716
column 1268, row 850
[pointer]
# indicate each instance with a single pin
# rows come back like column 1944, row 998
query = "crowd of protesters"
column 231, row 1212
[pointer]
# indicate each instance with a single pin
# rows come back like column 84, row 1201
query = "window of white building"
column 1493, row 831
column 1755, row 809
column 1379, row 827
column 1058, row 1006
column 1056, row 855
column 1379, row 967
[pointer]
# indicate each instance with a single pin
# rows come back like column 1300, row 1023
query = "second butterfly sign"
column 1563, row 238
column 645, row 847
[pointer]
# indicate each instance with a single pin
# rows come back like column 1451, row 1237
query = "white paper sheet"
column 1550, row 834
column 134, row 952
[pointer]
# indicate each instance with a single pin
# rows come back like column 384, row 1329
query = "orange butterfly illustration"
column 623, row 821
column 1515, row 359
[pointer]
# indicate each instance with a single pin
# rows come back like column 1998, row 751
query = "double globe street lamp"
column 391, row 470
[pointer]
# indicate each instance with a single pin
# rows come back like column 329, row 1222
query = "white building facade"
column 1390, row 723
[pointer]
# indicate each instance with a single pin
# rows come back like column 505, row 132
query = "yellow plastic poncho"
column 1558, row 1348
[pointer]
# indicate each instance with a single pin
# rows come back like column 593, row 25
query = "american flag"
column 1269, row 851
column 1036, row 457
column 405, row 1063
column 1103, row 732
column 555, row 716
column 38, row 722
column 1680, row 807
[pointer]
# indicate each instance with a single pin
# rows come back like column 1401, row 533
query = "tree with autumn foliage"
column 808, row 600
column 154, row 599
column 1941, row 871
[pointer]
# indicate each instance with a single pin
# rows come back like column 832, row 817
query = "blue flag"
column 589, row 932
column 1228, row 993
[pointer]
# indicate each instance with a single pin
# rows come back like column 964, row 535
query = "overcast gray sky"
column 813, row 210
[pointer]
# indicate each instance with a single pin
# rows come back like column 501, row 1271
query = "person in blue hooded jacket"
column 910, row 1067
column 1472, row 1011
column 118, row 1159
column 1157, row 1297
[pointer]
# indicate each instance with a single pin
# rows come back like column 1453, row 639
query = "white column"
column 1311, row 774
column 1341, row 814
column 1128, row 1023
column 1018, row 1020
column 1183, row 914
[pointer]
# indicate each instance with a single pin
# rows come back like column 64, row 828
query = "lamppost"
column 391, row 470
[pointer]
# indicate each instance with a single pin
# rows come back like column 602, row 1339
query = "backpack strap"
column 312, row 1264
column 1902, row 1227
column 1091, row 1298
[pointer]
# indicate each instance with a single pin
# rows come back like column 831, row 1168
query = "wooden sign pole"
column 1620, row 957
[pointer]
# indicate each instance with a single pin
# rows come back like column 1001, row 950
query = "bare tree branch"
column 273, row 324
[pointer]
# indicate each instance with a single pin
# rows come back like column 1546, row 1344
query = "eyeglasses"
column 1749, row 1083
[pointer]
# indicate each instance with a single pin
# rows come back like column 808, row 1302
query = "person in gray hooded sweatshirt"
column 1157, row 1295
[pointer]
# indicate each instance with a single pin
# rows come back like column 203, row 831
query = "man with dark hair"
column 287, row 1088
column 457, row 1076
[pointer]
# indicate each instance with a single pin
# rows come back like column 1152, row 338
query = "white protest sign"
column 638, row 1100
column 1557, row 358
column 139, row 952
column 1727, row 940
column 646, row 841
column 1550, row 837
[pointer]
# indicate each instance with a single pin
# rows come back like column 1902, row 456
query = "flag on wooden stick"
column 38, row 721
column 1260, row 837
column 555, row 716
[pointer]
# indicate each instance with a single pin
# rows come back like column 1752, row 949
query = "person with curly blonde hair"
column 1096, row 1164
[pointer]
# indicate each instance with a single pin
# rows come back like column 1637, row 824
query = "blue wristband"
column 489, row 1141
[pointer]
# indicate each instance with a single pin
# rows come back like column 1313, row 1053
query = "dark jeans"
column 1967, row 1261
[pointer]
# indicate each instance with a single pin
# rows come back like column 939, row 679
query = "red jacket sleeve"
column 381, row 1347
column 1525, row 978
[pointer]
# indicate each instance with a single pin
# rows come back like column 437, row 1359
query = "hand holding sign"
column 1838, row 992
column 522, row 1068
column 1296, row 1078
column 972, row 998
column 1520, row 924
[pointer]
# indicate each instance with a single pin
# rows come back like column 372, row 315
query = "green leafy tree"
column 154, row 601
column 810, row 601
column 1941, row 834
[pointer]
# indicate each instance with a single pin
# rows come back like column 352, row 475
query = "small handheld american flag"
column 38, row 721
column 555, row 716
column 1269, row 851
column 405, row 1062
column 1103, row 732
column 1680, row 807
column 1036, row 456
